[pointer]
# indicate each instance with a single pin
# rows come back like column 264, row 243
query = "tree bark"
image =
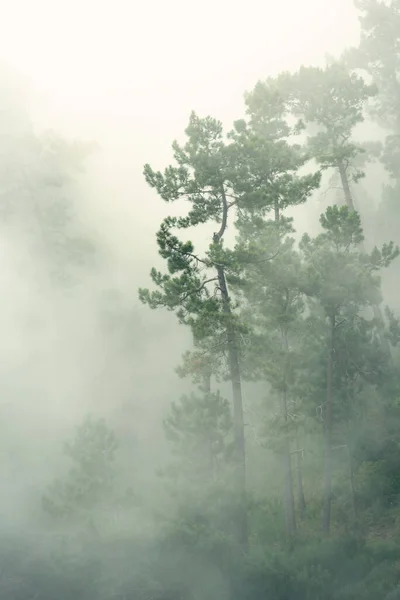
column 235, row 377
column 328, row 424
column 238, row 421
column 277, row 212
column 346, row 186
column 301, row 500
column 286, row 458
column 206, row 387
column 351, row 480
column 288, row 494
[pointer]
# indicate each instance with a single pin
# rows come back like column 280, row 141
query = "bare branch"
column 197, row 290
column 255, row 436
column 262, row 260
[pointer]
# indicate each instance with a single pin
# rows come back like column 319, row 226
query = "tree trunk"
column 346, row 186
column 288, row 494
column 206, row 387
column 351, row 480
column 375, row 307
column 236, row 381
column 276, row 212
column 238, row 421
column 301, row 500
column 328, row 423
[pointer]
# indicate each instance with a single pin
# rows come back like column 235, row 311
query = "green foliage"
column 39, row 199
column 200, row 428
column 90, row 481
column 203, row 166
column 204, row 178
column 338, row 272
column 329, row 103
column 379, row 55
column 267, row 166
column 272, row 307
column 343, row 280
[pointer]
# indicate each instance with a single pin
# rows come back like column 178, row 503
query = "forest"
column 272, row 469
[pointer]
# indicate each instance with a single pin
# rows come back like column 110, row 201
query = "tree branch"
column 197, row 290
column 218, row 236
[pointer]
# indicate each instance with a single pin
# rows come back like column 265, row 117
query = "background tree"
column 270, row 183
column 91, row 484
column 331, row 101
column 343, row 280
column 378, row 58
column 378, row 55
column 330, row 104
column 39, row 194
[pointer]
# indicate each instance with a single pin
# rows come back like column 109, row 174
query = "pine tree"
column 91, row 479
column 270, row 183
column 196, row 285
column 331, row 101
column 38, row 192
column 378, row 56
column 199, row 428
column 273, row 306
column 344, row 281
column 330, row 104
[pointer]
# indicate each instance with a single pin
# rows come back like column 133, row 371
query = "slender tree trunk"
column 206, row 387
column 352, row 486
column 375, row 307
column 235, row 376
column 346, row 186
column 277, row 212
column 301, row 500
column 351, row 479
column 286, row 458
column 238, row 421
column 288, row 494
column 328, row 423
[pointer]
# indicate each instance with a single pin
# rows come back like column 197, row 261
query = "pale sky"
column 102, row 64
column 128, row 73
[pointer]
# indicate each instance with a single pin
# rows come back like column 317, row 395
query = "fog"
column 75, row 338
column 127, row 77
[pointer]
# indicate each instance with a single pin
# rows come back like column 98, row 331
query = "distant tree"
column 90, row 487
column 330, row 103
column 38, row 187
column 42, row 202
column 271, row 184
column 274, row 307
column 343, row 281
column 378, row 56
column 199, row 429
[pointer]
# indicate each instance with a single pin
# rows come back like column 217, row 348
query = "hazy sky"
column 128, row 73
column 104, row 65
